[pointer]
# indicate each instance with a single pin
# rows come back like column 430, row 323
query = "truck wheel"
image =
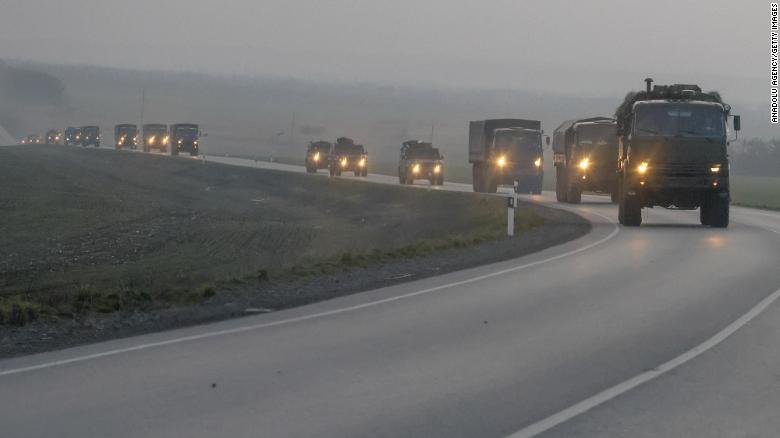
column 614, row 196
column 401, row 179
column 491, row 182
column 718, row 210
column 174, row 151
column 630, row 210
column 537, row 190
column 574, row 194
column 440, row 181
column 560, row 184
column 477, row 178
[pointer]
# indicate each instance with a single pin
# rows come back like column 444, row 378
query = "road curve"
column 481, row 352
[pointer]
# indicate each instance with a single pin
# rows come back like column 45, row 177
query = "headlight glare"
column 642, row 168
column 584, row 163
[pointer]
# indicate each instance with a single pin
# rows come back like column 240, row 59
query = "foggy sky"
column 603, row 45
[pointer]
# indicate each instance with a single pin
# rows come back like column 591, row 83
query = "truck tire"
column 440, row 181
column 491, row 182
column 629, row 210
column 704, row 211
column 401, row 179
column 614, row 195
column 174, row 150
column 560, row 184
column 477, row 178
column 718, row 210
column 574, row 194
column 537, row 190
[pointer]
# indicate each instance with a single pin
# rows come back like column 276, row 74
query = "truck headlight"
column 165, row 140
column 715, row 168
column 316, row 156
column 538, row 162
column 362, row 162
column 416, row 168
column 179, row 141
column 584, row 163
column 501, row 161
column 344, row 162
column 437, row 168
column 642, row 168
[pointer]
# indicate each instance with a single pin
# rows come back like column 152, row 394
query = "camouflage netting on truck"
column 686, row 92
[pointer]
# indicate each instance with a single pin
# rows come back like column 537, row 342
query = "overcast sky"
column 517, row 44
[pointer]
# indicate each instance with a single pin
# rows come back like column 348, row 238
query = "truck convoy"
column 184, row 138
column 53, row 136
column 72, row 136
column 585, row 156
column 90, row 135
column 420, row 160
column 505, row 152
column 673, row 152
column 348, row 156
column 155, row 135
column 317, row 154
column 125, row 136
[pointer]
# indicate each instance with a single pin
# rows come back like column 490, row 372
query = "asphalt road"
column 488, row 351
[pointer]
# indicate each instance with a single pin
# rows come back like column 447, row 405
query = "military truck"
column 53, row 136
column 72, row 136
column 346, row 156
column 505, row 152
column 317, row 154
column 90, row 135
column 125, row 136
column 155, row 135
column 184, row 138
column 673, row 143
column 586, row 158
column 420, row 160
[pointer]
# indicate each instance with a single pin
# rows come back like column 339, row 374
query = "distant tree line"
column 25, row 86
column 756, row 156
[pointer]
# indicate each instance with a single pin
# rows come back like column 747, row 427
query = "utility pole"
column 143, row 102
column 292, row 128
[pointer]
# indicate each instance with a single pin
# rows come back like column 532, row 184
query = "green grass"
column 756, row 191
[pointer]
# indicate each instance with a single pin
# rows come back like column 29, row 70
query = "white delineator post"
column 511, row 202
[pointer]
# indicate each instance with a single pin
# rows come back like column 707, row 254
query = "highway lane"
column 481, row 352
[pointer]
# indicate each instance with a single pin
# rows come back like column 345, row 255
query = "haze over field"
column 381, row 72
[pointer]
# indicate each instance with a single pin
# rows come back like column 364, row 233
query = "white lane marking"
column 625, row 386
column 9, row 372
column 610, row 393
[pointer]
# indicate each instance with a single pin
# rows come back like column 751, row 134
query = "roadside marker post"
column 511, row 202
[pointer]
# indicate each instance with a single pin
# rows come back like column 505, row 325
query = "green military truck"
column 673, row 143
column 317, row 155
column 420, row 160
column 90, row 135
column 155, row 135
column 184, row 138
column 586, row 158
column 506, row 152
column 125, row 136
column 347, row 156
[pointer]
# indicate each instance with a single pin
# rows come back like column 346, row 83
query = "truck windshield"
column 518, row 144
column 425, row 154
column 351, row 149
column 597, row 141
column 90, row 131
column 679, row 120
column 187, row 132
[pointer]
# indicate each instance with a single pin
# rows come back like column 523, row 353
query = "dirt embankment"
column 98, row 244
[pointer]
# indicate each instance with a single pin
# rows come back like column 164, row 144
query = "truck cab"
column 420, row 160
column 347, row 156
column 506, row 152
column 184, row 138
column 90, row 135
column 72, row 136
column 673, row 143
column 155, row 135
column 125, row 136
column 585, row 152
column 317, row 155
column 53, row 136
